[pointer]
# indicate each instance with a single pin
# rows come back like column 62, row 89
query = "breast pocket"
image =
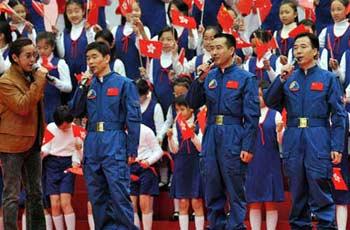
column 233, row 101
column 113, row 104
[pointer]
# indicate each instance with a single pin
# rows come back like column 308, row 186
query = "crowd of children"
column 170, row 125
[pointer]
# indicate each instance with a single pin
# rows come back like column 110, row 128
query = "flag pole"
column 202, row 13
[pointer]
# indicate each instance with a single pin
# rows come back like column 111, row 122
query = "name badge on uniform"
column 213, row 84
column 294, row 86
column 91, row 94
column 316, row 86
column 112, row 92
column 232, row 84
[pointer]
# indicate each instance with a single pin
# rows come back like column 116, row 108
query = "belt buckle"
column 100, row 126
column 303, row 122
column 219, row 119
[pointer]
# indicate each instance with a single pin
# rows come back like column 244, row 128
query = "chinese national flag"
column 272, row 44
column 152, row 49
column 75, row 170
column 38, row 7
column 309, row 4
column 183, row 21
column 199, row 4
column 261, row 50
column 186, row 131
column 298, row 30
column 47, row 64
column 202, row 118
column 264, row 8
column 338, row 180
column 224, row 18
column 244, row 6
column 4, row 8
column 240, row 43
column 125, row 7
column 79, row 131
column 48, row 136
column 182, row 56
column 92, row 17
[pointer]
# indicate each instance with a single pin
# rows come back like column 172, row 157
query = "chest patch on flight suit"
column 212, row 84
column 91, row 94
column 316, row 86
column 232, row 84
column 112, row 92
column 294, row 86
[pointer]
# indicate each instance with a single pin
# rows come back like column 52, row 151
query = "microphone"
column 85, row 81
column 35, row 68
column 209, row 62
column 285, row 73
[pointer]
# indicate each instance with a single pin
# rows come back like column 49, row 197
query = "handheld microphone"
column 285, row 73
column 209, row 62
column 85, row 81
column 35, row 68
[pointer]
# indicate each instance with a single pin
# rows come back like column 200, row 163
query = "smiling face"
column 75, row 13
column 168, row 41
column 287, row 14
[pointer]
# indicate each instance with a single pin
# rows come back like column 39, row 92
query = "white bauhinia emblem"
column 183, row 19
column 151, row 48
column 336, row 177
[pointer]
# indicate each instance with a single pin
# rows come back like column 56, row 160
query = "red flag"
column 338, row 180
column 224, row 18
column 150, row 48
column 38, row 7
column 298, row 30
column 79, row 131
column 134, row 178
column 4, row 8
column 182, row 56
column 47, row 64
column 92, row 17
column 261, row 49
column 100, row 3
column 264, row 8
column 307, row 4
column 244, row 6
column 48, row 136
column 61, row 4
column 75, row 170
column 188, row 3
column 202, row 118
column 124, row 7
column 348, row 10
column 186, row 131
column 78, row 77
column 199, row 4
column 272, row 44
column 183, row 21
column 240, row 43
column 310, row 14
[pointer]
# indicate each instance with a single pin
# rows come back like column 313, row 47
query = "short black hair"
column 100, row 47
column 106, row 35
column 168, row 29
column 6, row 30
column 230, row 40
column 48, row 36
column 181, row 101
column 16, row 47
column 344, row 2
column 309, row 23
column 216, row 29
column 142, row 86
column 182, row 81
column 313, row 39
column 62, row 114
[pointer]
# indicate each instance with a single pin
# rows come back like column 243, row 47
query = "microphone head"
column 35, row 67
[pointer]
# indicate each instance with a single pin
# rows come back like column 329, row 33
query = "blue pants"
column 310, row 186
column 223, row 173
column 108, row 182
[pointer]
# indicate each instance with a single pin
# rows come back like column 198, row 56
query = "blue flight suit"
column 233, row 115
column 115, row 102
column 310, row 100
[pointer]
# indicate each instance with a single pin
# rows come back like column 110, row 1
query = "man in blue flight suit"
column 231, row 96
column 311, row 144
column 112, row 104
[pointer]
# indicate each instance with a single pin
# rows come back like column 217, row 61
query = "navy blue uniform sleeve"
column 196, row 95
column 273, row 96
column 77, row 104
column 338, row 116
column 251, row 114
column 133, row 118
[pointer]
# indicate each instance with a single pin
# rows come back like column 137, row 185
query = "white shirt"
column 339, row 29
column 158, row 116
column 149, row 149
column 190, row 66
column 74, row 35
column 169, row 120
column 63, row 144
column 119, row 68
column 285, row 30
column 192, row 41
column 63, row 83
column 128, row 30
column 196, row 140
column 21, row 27
column 263, row 112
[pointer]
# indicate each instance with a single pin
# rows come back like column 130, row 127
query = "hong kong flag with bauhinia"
column 152, row 49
